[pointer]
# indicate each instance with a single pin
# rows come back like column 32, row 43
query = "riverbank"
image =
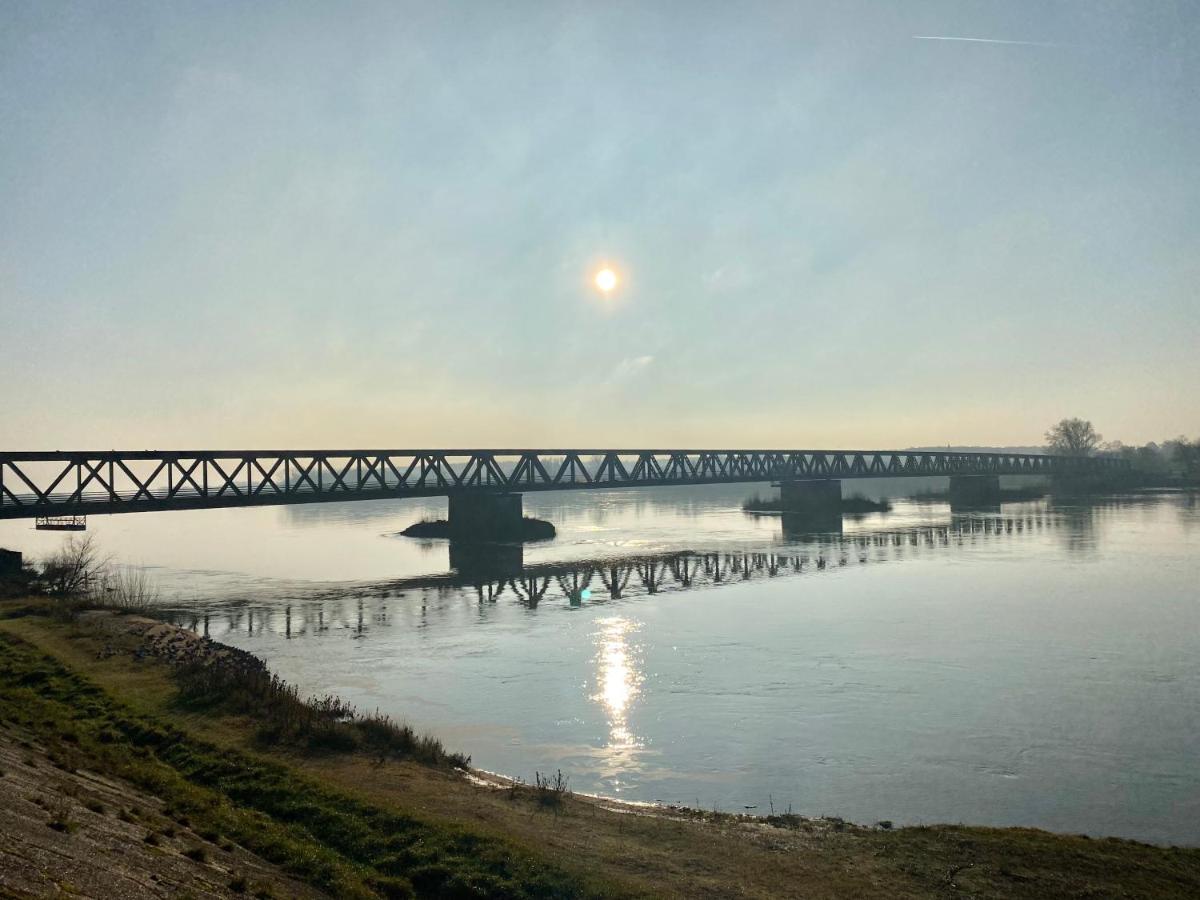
column 107, row 696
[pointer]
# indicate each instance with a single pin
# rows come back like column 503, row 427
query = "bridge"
column 484, row 486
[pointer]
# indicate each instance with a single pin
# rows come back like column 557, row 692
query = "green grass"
column 319, row 834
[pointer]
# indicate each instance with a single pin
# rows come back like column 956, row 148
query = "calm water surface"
column 1037, row 664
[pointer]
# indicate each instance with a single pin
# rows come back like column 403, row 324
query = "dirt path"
column 78, row 834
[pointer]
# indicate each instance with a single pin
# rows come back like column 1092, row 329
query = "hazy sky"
column 371, row 225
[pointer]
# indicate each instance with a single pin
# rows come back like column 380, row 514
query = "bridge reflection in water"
column 614, row 579
column 615, row 678
column 483, row 578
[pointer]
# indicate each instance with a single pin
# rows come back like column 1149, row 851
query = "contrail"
column 942, row 37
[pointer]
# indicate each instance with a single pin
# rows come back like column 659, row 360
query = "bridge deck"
column 78, row 483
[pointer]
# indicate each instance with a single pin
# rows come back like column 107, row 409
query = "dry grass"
column 237, row 682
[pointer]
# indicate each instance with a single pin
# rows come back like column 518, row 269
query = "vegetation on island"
column 530, row 529
column 851, row 505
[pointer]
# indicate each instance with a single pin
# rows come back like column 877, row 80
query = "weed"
column 550, row 792
column 788, row 819
column 199, row 854
column 62, row 763
column 60, row 816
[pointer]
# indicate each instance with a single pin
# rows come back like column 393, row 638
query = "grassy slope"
column 352, row 826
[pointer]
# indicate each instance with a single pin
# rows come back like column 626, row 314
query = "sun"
column 606, row 280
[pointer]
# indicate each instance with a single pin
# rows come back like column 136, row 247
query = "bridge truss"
column 78, row 483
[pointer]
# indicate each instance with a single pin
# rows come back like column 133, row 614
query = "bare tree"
column 128, row 589
column 74, row 569
column 1073, row 437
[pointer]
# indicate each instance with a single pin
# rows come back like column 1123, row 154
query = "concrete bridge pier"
column 811, row 498
column 974, row 490
column 485, row 517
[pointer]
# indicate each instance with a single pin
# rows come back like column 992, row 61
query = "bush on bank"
column 237, row 682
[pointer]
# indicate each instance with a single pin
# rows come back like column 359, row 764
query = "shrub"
column 127, row 589
column 392, row 888
column 550, row 792
column 60, row 816
column 241, row 683
column 74, row 570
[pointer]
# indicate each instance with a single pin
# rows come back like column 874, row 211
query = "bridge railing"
column 113, row 481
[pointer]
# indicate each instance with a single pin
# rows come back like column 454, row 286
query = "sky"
column 301, row 225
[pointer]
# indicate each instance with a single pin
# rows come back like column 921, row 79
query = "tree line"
column 1078, row 437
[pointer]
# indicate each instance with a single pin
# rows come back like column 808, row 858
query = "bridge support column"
column 974, row 490
column 485, row 517
column 811, row 498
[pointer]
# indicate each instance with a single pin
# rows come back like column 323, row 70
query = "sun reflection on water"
column 618, row 682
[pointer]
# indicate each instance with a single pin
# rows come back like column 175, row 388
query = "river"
column 1034, row 664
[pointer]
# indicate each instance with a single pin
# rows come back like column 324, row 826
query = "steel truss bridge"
column 78, row 483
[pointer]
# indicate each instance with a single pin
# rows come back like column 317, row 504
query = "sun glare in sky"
column 606, row 280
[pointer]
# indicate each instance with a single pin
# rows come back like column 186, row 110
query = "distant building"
column 10, row 562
